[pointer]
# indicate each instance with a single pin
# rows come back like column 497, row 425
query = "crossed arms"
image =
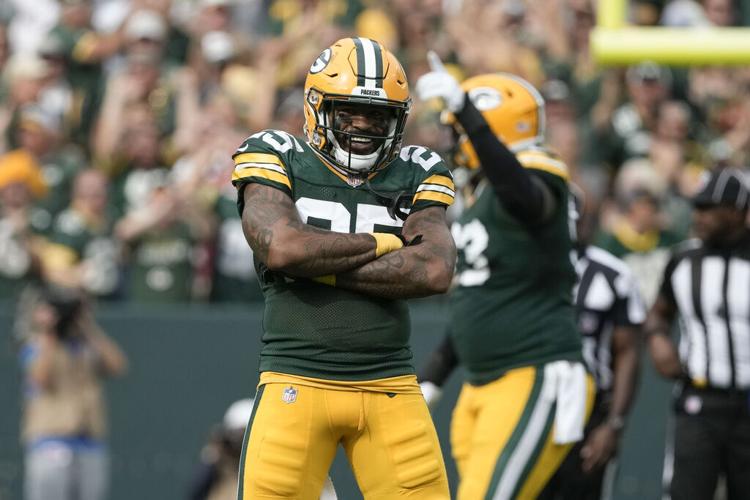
column 284, row 243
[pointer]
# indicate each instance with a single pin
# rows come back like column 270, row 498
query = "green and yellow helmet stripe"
column 369, row 63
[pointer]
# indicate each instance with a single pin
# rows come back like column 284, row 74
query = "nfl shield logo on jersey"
column 290, row 395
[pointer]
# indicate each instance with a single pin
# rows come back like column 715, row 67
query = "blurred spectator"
column 145, row 32
column 138, row 162
column 24, row 79
column 201, row 177
column 720, row 13
column 636, row 232
column 21, row 181
column 684, row 13
column 81, row 252
column 678, row 159
column 163, row 235
column 29, row 22
column 141, row 86
column 58, row 97
column 721, row 95
column 234, row 277
column 84, row 49
column 632, row 123
column 64, row 356
column 500, row 25
column 39, row 134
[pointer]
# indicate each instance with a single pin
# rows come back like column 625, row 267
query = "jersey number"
column 472, row 239
column 340, row 219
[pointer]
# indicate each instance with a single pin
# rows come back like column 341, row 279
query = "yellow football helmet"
column 512, row 107
column 355, row 71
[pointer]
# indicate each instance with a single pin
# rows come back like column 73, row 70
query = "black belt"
column 696, row 400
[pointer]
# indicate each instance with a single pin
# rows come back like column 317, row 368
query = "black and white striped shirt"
column 606, row 297
column 710, row 289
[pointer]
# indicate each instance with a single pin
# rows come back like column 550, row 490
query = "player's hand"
column 600, row 446
column 438, row 83
column 432, row 394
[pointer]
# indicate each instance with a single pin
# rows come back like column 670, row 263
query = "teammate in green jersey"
column 512, row 323
column 344, row 225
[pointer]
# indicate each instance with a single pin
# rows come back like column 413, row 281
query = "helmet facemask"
column 351, row 147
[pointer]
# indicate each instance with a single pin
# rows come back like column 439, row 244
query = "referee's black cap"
column 724, row 187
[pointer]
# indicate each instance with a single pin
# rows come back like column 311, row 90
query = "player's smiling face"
column 367, row 124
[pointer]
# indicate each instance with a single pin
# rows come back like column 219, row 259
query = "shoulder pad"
column 264, row 157
column 544, row 160
column 272, row 141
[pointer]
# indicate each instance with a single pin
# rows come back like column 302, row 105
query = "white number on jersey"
column 368, row 216
column 472, row 239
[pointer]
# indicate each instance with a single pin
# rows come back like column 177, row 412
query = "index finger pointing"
column 434, row 61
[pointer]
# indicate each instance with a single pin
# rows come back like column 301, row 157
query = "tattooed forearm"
column 414, row 271
column 283, row 242
column 259, row 216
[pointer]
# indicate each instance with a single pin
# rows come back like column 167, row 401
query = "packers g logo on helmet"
column 355, row 71
column 512, row 107
column 321, row 62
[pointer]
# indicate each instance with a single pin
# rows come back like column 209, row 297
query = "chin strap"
column 394, row 203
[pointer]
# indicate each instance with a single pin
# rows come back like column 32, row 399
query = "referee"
column 706, row 284
column 610, row 314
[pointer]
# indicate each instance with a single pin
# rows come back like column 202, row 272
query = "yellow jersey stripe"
column 261, row 173
column 440, row 179
column 258, row 158
column 432, row 196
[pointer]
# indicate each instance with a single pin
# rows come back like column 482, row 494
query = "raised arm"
column 284, row 243
column 525, row 196
column 417, row 270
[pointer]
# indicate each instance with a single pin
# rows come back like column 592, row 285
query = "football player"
column 344, row 226
column 512, row 322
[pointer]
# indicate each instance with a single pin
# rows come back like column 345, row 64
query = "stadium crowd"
column 119, row 118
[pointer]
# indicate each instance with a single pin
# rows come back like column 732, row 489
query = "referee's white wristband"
column 431, row 392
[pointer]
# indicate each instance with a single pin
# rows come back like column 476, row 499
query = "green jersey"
column 513, row 305
column 315, row 330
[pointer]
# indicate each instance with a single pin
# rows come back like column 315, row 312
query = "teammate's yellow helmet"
column 355, row 71
column 512, row 107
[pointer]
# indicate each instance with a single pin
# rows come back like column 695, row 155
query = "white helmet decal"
column 321, row 62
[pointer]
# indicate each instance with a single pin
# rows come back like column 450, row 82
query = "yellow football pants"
column 502, row 437
column 295, row 430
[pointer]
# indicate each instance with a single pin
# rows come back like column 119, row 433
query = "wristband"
column 386, row 242
column 326, row 279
